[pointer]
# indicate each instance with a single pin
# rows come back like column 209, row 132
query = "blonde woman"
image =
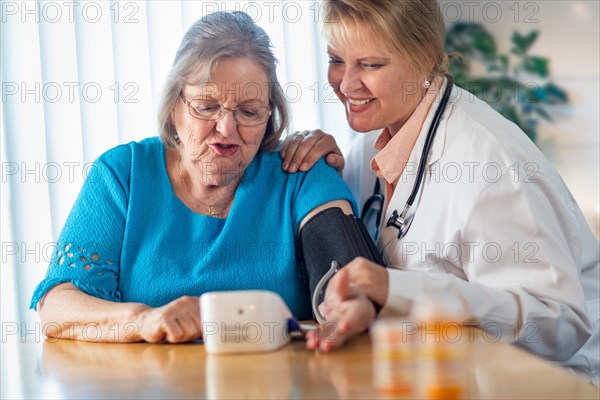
column 488, row 224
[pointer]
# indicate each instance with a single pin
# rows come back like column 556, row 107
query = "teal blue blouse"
column 128, row 237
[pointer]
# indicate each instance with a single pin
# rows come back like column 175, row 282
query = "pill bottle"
column 393, row 356
column 440, row 349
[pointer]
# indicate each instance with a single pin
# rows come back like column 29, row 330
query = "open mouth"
column 225, row 149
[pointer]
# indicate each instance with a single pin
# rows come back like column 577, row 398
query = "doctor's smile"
column 371, row 81
column 354, row 105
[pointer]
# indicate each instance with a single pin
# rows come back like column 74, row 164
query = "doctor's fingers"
column 289, row 148
column 341, row 285
column 339, row 289
column 348, row 319
column 340, row 293
column 331, row 312
column 304, row 149
column 369, row 278
column 323, row 309
column 324, row 144
column 336, row 161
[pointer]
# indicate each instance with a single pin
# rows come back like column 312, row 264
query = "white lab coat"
column 495, row 228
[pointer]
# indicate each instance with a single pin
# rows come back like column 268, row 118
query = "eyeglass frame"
column 222, row 111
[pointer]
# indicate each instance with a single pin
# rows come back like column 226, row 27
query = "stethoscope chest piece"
column 401, row 222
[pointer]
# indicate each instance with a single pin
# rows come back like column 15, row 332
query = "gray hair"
column 214, row 37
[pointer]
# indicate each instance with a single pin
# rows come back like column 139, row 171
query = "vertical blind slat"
column 64, row 147
column 133, row 91
column 164, row 34
column 26, row 149
column 95, row 63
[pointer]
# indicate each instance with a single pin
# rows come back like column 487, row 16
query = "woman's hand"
column 302, row 150
column 369, row 278
column 176, row 322
column 348, row 311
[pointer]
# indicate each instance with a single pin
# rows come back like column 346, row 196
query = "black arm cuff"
column 332, row 235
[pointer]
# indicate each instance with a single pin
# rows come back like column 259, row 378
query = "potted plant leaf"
column 517, row 87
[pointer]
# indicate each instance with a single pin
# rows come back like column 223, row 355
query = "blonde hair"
column 414, row 29
column 212, row 38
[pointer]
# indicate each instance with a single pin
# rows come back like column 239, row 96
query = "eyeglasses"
column 246, row 114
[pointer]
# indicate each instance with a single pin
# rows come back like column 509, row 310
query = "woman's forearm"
column 68, row 313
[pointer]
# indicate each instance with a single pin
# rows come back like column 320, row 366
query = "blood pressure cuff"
column 332, row 235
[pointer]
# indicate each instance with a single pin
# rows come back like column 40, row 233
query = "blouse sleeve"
column 321, row 184
column 88, row 250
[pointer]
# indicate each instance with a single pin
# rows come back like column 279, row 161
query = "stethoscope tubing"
column 403, row 221
column 378, row 197
column 429, row 140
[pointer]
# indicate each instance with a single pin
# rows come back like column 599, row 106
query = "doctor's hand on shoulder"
column 302, row 150
column 349, row 305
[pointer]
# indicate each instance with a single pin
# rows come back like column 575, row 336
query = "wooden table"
column 69, row 369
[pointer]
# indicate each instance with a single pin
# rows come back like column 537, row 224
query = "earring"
column 426, row 84
column 176, row 137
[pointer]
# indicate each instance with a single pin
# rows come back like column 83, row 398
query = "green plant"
column 511, row 85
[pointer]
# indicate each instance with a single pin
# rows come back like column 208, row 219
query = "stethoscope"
column 403, row 221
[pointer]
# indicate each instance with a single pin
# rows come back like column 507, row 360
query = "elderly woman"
column 206, row 207
column 499, row 232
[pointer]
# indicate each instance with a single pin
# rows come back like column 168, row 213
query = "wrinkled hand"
column 348, row 312
column 176, row 322
column 302, row 150
column 369, row 278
